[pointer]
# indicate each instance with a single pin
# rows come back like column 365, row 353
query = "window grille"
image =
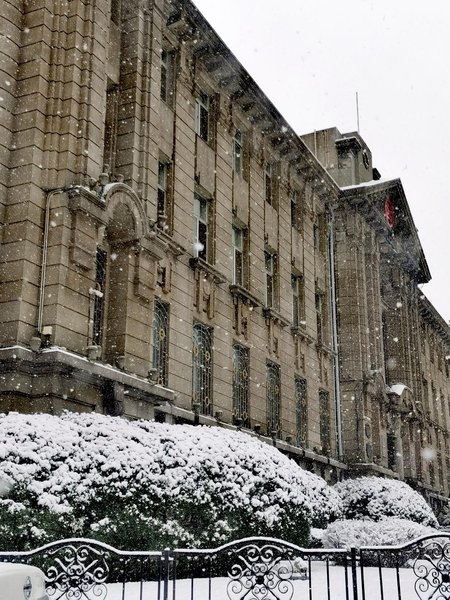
column 301, row 410
column 273, row 398
column 202, row 108
column 324, row 416
column 237, row 152
column 160, row 358
column 241, row 365
column 202, row 368
column 201, row 228
column 238, row 256
column 99, row 298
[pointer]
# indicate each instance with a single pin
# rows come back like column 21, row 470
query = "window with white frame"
column 160, row 350
column 241, row 365
column 202, row 115
column 273, row 398
column 298, row 300
column 237, row 152
column 202, row 368
column 201, row 227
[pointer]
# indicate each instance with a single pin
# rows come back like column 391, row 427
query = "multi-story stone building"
column 395, row 394
column 171, row 248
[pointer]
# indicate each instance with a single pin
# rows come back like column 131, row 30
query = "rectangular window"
column 201, row 227
column 270, row 270
column 99, row 297
column 269, row 184
column 164, row 66
column 319, row 316
column 237, row 152
column 238, row 256
column 273, row 399
column 322, row 233
column 294, row 209
column 316, row 236
column 162, row 188
column 241, row 366
column 111, row 123
column 301, row 408
column 166, row 76
column 324, row 418
column 202, row 115
column 160, row 357
column 202, row 369
column 298, row 301
column 164, row 196
column 392, row 451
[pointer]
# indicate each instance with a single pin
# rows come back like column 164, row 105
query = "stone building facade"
column 172, row 249
column 394, row 348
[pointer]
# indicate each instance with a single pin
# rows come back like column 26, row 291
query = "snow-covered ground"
column 198, row 589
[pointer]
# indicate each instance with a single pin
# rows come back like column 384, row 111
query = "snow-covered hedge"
column 389, row 531
column 142, row 484
column 376, row 498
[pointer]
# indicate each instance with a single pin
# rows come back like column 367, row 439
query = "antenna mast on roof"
column 357, row 111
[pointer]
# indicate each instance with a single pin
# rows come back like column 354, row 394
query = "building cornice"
column 401, row 241
column 218, row 60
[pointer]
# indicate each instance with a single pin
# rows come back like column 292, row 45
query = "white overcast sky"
column 311, row 56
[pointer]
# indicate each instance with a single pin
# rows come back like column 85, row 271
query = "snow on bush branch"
column 143, row 484
column 389, row 531
column 376, row 498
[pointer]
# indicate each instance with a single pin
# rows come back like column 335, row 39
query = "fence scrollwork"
column 432, row 569
column 261, row 573
column 77, row 572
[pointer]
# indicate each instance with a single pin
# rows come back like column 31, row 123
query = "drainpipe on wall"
column 48, row 199
column 334, row 333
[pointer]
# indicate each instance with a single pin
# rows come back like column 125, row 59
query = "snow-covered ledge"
column 57, row 358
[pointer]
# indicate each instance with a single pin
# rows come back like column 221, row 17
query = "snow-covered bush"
column 389, row 531
column 376, row 498
column 140, row 484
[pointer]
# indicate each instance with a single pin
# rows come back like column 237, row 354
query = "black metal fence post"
column 166, row 573
column 354, row 573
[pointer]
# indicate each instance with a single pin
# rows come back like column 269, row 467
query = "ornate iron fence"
column 249, row 569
